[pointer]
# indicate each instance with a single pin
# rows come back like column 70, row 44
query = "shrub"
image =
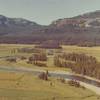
column 11, row 59
column 62, row 80
column 43, row 76
column 23, row 58
column 74, row 83
column 40, row 64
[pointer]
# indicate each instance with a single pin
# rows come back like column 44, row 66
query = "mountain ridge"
column 84, row 28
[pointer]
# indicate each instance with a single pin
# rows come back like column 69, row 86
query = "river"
column 90, row 83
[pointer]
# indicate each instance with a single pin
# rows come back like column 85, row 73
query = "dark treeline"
column 50, row 44
column 29, row 50
column 79, row 63
column 38, row 59
column 64, row 38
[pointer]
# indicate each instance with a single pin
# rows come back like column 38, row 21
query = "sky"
column 45, row 11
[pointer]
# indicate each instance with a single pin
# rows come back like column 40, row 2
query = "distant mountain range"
column 82, row 29
column 17, row 25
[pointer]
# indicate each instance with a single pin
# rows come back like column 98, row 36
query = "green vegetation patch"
column 29, row 87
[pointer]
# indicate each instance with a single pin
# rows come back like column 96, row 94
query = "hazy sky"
column 45, row 11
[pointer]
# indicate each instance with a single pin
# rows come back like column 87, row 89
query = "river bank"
column 90, row 83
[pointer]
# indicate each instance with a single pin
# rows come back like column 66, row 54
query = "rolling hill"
column 81, row 30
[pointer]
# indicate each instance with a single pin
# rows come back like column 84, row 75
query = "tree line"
column 79, row 63
column 38, row 59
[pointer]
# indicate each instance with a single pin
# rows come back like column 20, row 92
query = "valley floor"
column 15, row 86
column 23, row 86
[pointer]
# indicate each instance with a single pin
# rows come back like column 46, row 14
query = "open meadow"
column 22, row 86
column 91, row 51
column 11, row 50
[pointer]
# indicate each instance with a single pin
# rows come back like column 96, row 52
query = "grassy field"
column 92, row 51
column 16, row 86
column 22, row 86
column 11, row 50
column 7, row 50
